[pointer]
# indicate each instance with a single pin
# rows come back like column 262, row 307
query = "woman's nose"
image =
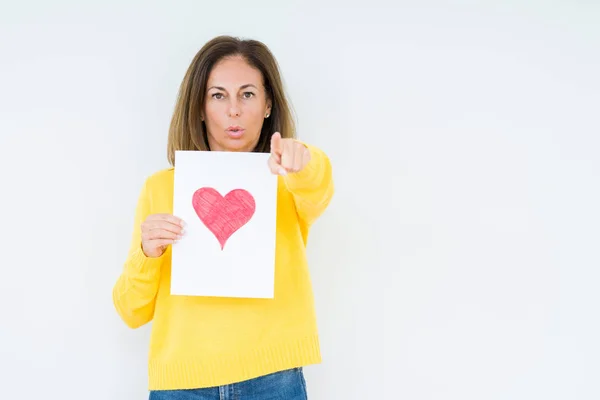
column 234, row 110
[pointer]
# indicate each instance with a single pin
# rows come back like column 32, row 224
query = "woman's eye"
column 217, row 96
column 247, row 95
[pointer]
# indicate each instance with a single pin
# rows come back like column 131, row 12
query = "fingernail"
column 282, row 171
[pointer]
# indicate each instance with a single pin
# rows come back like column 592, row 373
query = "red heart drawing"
column 223, row 216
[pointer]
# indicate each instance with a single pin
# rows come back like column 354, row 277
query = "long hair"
column 187, row 130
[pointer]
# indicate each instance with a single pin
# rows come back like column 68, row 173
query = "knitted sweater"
column 209, row 341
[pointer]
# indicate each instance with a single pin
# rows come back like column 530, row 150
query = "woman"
column 231, row 99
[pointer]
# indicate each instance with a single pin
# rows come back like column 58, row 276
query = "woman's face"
column 235, row 107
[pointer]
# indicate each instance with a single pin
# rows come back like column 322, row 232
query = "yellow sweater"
column 209, row 341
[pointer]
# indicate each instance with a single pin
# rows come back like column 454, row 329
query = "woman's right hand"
column 159, row 231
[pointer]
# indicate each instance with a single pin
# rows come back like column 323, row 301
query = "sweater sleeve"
column 312, row 188
column 135, row 291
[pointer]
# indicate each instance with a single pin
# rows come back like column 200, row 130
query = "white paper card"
column 228, row 201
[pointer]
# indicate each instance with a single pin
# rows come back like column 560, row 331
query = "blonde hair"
column 187, row 130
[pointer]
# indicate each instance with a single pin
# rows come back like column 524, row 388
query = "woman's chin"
column 228, row 143
column 239, row 145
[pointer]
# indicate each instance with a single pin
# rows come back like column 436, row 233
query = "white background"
column 459, row 258
column 245, row 265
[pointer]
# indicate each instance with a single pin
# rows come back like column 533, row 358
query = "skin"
column 235, row 97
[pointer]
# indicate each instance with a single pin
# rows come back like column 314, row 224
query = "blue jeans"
column 284, row 385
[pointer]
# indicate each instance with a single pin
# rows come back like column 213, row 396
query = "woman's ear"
column 268, row 112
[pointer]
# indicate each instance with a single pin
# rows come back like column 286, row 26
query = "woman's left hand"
column 287, row 155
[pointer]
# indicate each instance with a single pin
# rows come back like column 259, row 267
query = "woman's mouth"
column 235, row 131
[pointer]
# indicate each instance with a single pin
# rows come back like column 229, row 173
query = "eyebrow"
column 241, row 87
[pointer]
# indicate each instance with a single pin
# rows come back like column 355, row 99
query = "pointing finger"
column 276, row 145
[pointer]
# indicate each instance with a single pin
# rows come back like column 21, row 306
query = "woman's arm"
column 312, row 187
column 135, row 290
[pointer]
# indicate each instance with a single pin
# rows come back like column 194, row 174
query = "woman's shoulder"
column 160, row 178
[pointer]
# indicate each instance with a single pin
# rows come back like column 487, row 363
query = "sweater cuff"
column 139, row 263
